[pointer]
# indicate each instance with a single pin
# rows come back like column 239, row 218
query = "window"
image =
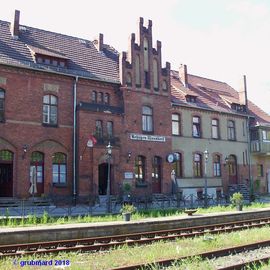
column 138, row 71
column 110, row 129
column 254, row 135
column 175, row 124
column 156, row 168
column 266, row 135
column 217, row 165
column 147, row 119
column 37, row 161
column 196, row 127
column 177, row 165
column 164, row 86
column 50, row 110
column 197, row 165
column 6, row 155
column 215, row 129
column 128, row 79
column 107, row 98
column 231, row 130
column 232, row 164
column 99, row 130
column 155, row 74
column 191, row 99
column 2, row 105
column 59, row 168
column 259, row 170
column 140, row 168
column 94, row 96
column 100, row 97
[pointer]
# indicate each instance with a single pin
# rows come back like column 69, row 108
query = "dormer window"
column 48, row 56
column 238, row 107
column 191, row 99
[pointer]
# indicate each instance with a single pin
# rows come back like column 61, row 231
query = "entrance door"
column 156, row 175
column 103, row 178
column 6, row 181
column 6, row 173
column 37, row 160
column 232, row 169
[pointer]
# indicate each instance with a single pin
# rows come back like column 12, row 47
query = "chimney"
column 98, row 42
column 16, row 24
column 183, row 74
column 243, row 92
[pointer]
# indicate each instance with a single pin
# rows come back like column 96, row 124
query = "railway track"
column 207, row 255
column 108, row 242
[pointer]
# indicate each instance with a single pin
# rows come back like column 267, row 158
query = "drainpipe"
column 75, row 139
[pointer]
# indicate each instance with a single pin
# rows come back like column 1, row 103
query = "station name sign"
column 143, row 137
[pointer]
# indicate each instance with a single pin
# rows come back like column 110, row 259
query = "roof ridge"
column 207, row 79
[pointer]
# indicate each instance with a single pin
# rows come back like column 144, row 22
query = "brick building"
column 57, row 91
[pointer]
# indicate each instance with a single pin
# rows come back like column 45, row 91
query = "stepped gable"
column 82, row 57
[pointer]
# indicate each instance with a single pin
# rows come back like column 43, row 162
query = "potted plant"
column 127, row 210
column 237, row 200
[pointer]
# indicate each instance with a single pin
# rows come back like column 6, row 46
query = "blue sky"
column 217, row 39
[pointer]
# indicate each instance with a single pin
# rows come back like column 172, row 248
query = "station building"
column 58, row 93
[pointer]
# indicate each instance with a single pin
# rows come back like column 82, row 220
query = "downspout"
column 75, row 139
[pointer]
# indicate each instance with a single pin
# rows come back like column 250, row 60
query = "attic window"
column 238, row 107
column 190, row 98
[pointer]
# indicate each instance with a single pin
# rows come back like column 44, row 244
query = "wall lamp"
column 128, row 156
column 25, row 147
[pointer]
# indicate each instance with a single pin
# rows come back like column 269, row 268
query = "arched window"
column 59, row 168
column 2, row 105
column 164, row 86
column 50, row 110
column 138, row 71
column 231, row 130
column 155, row 74
column 107, row 98
column 217, row 165
column 37, row 161
column 147, row 119
column 140, row 162
column 94, row 96
column 175, row 124
column 128, row 79
column 197, row 165
column 177, row 165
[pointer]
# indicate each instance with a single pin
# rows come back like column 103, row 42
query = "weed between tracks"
column 150, row 253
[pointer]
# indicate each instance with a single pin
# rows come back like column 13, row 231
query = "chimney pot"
column 16, row 24
column 183, row 74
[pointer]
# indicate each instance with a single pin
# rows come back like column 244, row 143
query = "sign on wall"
column 143, row 137
column 128, row 175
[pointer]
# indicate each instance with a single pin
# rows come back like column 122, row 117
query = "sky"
column 217, row 39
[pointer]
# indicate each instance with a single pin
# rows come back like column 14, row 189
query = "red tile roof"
column 213, row 95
